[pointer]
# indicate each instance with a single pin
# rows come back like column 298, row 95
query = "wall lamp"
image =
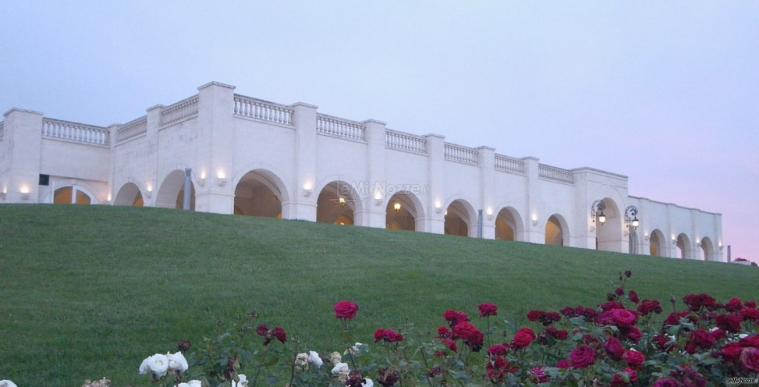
column 631, row 218
column 597, row 212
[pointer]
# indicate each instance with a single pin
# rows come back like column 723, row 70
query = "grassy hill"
column 88, row 292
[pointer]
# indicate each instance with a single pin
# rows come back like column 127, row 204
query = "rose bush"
column 622, row 341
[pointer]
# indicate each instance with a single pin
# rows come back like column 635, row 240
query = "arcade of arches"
column 402, row 212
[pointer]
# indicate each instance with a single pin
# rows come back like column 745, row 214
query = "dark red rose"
column 523, row 338
column 470, row 334
column 689, row 377
column 488, row 310
column 731, row 352
column 568, row 312
column 444, row 333
column 718, row 334
column 634, row 359
column 450, row 344
column 632, row 333
column 750, row 314
column 649, row 306
column 663, row 342
column 355, row 379
column 387, row 335
column 751, row 341
column 454, row 317
column 619, row 291
column 582, row 357
column 750, row 304
column 702, row 339
column 563, row 364
column 614, row 348
column 262, row 330
column 730, row 322
column 498, row 350
column 558, row 334
column 632, row 295
column 674, row 318
column 379, row 334
column 535, row 315
column 735, row 304
column 280, row 334
column 346, row 310
column 497, row 369
column 697, row 301
column 618, row 317
column 667, row 382
column 624, row 378
column 750, row 359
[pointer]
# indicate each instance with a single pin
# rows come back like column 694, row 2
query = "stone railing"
column 555, row 173
column 340, row 128
column 405, row 142
column 75, row 132
column 181, row 110
column 132, row 129
column 2, row 130
column 509, row 164
column 261, row 110
column 461, row 154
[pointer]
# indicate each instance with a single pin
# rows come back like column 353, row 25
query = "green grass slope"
column 88, row 292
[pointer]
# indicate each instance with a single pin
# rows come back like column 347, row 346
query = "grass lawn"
column 87, row 292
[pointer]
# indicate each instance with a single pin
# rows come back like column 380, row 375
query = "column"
column 486, row 163
column 372, row 191
column 434, row 211
column 302, row 204
column 535, row 222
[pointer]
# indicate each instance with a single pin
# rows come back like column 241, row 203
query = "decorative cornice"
column 19, row 110
column 214, row 83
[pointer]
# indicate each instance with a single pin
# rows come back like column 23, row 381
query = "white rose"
column 177, row 362
column 157, row 364
column 301, row 361
column 341, row 368
column 368, row 383
column 355, row 350
column 335, row 358
column 314, row 359
column 191, row 383
column 243, row 381
column 7, row 383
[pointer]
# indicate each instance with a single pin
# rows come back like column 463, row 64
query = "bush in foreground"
column 620, row 342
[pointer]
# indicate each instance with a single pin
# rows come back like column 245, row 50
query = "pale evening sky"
column 664, row 92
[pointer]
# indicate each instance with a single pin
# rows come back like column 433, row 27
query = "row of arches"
column 262, row 193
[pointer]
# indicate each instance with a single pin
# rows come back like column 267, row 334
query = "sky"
column 666, row 93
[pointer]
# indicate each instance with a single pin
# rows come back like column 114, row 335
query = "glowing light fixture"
column 397, row 207
column 341, row 201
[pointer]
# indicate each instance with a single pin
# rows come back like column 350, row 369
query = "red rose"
column 379, row 334
column 731, row 352
column 558, row 334
column 624, row 378
column 523, row 338
column 751, row 341
column 619, row 291
column 450, row 344
column 750, row 359
column 730, row 322
column 697, row 301
column 262, row 330
column 614, row 348
column 634, row 359
column 618, row 317
column 497, row 370
column 632, row 333
column 563, row 364
column 750, row 304
column 612, row 305
column 470, row 334
column 649, row 306
column 387, row 335
column 702, row 339
column 675, row 317
column 535, row 315
column 538, row 374
column 663, row 342
column 488, row 310
column 750, row 314
column 346, row 310
column 582, row 357
column 454, row 317
column 633, row 296
column 444, row 333
column 280, row 334
column 734, row 305
column 498, row 350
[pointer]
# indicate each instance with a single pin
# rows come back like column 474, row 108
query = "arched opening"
column 460, row 219
column 609, row 232
column 556, row 231
column 707, row 249
column 129, row 195
column 683, row 246
column 171, row 193
column 508, row 225
column 71, row 195
column 656, row 243
column 338, row 203
column 403, row 212
column 260, row 193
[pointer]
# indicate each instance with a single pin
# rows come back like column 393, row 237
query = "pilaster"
column 23, row 138
column 303, row 203
column 535, row 232
column 435, row 222
column 487, row 186
column 373, row 191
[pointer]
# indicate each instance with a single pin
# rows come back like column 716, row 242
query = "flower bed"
column 623, row 341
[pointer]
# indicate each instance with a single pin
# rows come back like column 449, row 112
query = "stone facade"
column 226, row 153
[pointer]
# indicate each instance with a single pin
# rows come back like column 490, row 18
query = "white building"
column 221, row 152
